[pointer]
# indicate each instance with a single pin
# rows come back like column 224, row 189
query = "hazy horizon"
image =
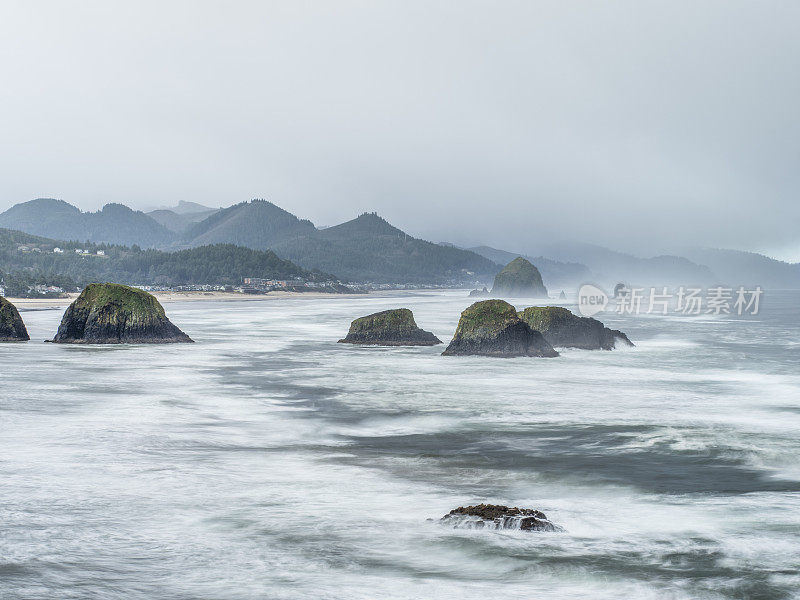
column 621, row 124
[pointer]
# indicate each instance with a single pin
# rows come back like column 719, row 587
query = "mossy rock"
column 394, row 327
column 109, row 313
column 493, row 328
column 12, row 329
column 563, row 329
column 519, row 278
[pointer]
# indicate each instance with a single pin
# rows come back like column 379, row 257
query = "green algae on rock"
column 493, row 328
column 519, row 278
column 12, row 329
column 394, row 327
column 109, row 313
column 563, row 329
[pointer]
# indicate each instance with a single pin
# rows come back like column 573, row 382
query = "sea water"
column 268, row 461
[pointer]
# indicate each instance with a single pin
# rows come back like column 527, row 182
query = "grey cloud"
column 641, row 125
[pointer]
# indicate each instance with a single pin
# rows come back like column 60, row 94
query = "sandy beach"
column 166, row 297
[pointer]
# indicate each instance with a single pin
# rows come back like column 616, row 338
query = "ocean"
column 268, row 461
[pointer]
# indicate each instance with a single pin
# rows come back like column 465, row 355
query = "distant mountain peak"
column 46, row 204
column 367, row 223
column 257, row 224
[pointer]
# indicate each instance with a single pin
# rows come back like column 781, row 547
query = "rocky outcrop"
column 562, row 295
column 494, row 516
column 563, row 329
column 389, row 328
column 12, row 329
column 479, row 293
column 493, row 328
column 108, row 313
column 519, row 278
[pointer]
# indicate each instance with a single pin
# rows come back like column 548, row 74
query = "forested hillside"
column 34, row 256
column 370, row 249
column 257, row 224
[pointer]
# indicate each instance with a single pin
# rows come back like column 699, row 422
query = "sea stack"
column 494, row 516
column 109, row 313
column 394, row 327
column 563, row 329
column 519, row 278
column 493, row 328
column 12, row 329
column 479, row 293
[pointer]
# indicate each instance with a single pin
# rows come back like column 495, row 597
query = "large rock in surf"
column 563, row 329
column 494, row 516
column 493, row 328
column 389, row 328
column 12, row 329
column 109, row 313
column 519, row 278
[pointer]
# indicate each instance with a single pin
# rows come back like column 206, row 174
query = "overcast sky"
column 640, row 125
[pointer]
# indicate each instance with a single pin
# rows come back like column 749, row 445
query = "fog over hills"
column 644, row 124
column 179, row 218
column 369, row 248
column 364, row 249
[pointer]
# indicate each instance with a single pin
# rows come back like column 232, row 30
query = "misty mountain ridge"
column 179, row 218
column 750, row 269
column 693, row 267
column 368, row 248
column 185, row 207
column 114, row 223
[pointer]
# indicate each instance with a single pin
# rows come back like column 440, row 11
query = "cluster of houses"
column 41, row 290
column 58, row 250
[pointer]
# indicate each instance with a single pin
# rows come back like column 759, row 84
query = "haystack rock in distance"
column 519, row 278
column 12, row 329
column 563, row 329
column 494, row 516
column 493, row 328
column 394, row 327
column 109, row 313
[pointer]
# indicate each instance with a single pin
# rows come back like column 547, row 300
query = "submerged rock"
column 109, row 313
column 389, row 328
column 494, row 516
column 519, row 278
column 563, row 329
column 12, row 329
column 493, row 328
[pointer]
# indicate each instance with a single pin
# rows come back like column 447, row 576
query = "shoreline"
column 167, row 297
